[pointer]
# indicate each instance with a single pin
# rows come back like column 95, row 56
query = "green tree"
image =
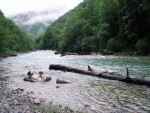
column 12, row 39
column 134, row 21
column 143, row 46
column 100, row 25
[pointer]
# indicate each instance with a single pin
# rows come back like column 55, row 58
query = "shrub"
column 143, row 46
column 114, row 45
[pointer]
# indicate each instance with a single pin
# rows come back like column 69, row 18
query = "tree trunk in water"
column 126, row 79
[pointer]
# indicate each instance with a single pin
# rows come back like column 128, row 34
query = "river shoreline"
column 104, row 52
column 14, row 101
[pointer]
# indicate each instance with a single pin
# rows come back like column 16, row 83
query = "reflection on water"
column 84, row 92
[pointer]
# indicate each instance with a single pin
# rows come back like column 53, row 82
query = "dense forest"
column 96, row 25
column 12, row 39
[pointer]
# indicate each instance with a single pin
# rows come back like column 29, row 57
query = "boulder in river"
column 37, row 77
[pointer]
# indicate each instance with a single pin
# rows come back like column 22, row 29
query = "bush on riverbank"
column 57, row 109
column 143, row 46
column 2, row 79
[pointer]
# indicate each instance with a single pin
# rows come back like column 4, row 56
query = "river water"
column 85, row 93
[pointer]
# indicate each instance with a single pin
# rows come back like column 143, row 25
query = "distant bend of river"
column 91, row 94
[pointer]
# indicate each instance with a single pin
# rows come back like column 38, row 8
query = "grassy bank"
column 2, row 79
column 57, row 109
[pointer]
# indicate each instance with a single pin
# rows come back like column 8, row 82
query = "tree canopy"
column 116, row 25
column 12, row 39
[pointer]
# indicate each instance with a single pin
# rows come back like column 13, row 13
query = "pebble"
column 37, row 102
column 57, row 86
column 30, row 92
column 86, row 105
column 13, row 101
column 93, row 107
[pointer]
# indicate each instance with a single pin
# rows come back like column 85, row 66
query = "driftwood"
column 126, row 79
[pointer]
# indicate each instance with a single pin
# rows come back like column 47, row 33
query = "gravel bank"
column 14, row 101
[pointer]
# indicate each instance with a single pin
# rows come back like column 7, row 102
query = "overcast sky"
column 13, row 7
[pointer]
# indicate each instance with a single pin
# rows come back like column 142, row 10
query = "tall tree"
column 12, row 38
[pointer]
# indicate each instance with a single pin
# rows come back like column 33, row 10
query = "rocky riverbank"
column 14, row 101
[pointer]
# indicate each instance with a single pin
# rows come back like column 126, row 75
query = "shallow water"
column 86, row 93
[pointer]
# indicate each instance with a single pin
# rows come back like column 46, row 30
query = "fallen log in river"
column 127, row 79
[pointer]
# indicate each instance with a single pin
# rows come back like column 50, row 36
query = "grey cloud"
column 37, row 17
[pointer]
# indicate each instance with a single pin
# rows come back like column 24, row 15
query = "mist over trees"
column 12, row 39
column 116, row 25
column 33, row 23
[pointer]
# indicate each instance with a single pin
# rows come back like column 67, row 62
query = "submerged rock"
column 57, row 86
column 61, row 82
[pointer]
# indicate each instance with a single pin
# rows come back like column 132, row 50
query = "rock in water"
column 37, row 77
column 61, row 81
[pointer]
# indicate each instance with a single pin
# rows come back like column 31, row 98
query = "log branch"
column 127, row 72
column 102, row 75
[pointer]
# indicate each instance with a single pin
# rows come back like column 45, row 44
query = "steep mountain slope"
column 113, row 25
column 33, row 23
column 12, row 39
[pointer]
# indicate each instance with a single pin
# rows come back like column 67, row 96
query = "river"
column 87, row 93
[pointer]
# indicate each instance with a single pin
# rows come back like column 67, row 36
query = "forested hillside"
column 34, row 30
column 95, row 25
column 12, row 39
